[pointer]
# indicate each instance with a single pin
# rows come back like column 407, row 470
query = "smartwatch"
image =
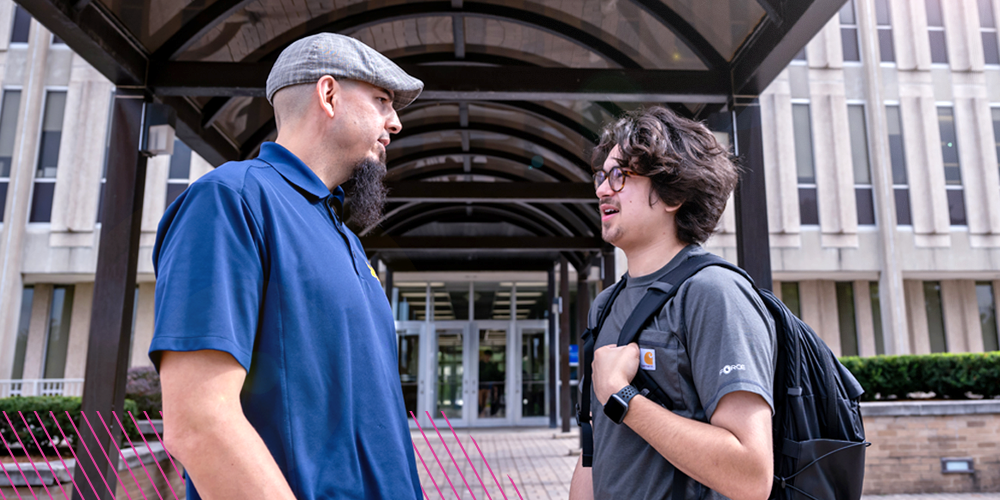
column 617, row 405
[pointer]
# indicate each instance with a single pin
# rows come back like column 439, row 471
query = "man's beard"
column 366, row 193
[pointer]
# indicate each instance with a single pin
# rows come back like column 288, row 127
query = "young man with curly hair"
column 663, row 182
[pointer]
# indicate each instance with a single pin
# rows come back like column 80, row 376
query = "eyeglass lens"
column 615, row 178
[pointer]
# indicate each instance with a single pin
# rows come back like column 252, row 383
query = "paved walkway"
column 539, row 461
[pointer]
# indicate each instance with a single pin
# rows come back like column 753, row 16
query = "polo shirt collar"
column 295, row 171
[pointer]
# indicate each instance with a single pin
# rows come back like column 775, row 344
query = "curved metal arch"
column 684, row 32
column 447, row 169
column 457, row 151
column 474, row 54
column 412, row 131
column 333, row 22
column 422, row 216
column 408, row 219
column 200, row 25
column 532, row 108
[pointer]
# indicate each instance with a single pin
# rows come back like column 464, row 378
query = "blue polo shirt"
column 253, row 260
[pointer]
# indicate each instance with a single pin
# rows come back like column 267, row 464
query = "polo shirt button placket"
column 339, row 225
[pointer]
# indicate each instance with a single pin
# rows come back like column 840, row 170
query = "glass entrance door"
column 408, row 349
column 491, row 385
column 450, row 368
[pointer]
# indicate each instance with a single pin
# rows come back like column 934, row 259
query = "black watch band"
column 617, row 405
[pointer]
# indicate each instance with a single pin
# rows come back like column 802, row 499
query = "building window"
column 808, row 207
column 935, row 32
column 952, row 169
column 180, row 171
column 22, row 26
column 8, row 127
column 988, row 315
column 988, row 32
column 935, row 316
column 859, row 159
column 876, row 317
column 849, row 32
column 790, row 296
column 23, row 327
column 48, row 156
column 57, row 341
column 897, row 156
column 847, row 319
column 883, row 22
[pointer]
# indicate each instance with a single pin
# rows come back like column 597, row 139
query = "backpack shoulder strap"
column 583, row 407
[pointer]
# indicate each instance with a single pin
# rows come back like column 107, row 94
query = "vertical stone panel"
column 199, row 166
column 38, row 331
column 783, row 220
column 825, row 50
column 81, row 152
column 155, row 200
column 978, row 157
column 961, row 29
column 79, row 330
column 6, row 22
column 916, row 311
column 924, row 165
column 909, row 35
column 834, row 172
column 818, row 299
column 955, row 326
column 865, row 319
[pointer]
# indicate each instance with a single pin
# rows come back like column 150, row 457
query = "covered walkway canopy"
column 491, row 169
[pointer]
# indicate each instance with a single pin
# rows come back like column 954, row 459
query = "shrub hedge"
column 58, row 405
column 946, row 375
column 143, row 387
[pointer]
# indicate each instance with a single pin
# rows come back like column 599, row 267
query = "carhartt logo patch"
column 647, row 359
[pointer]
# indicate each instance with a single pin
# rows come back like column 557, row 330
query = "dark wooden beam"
column 197, row 27
column 753, row 247
column 553, row 344
column 537, row 138
column 114, row 284
column 773, row 44
column 211, row 144
column 484, row 243
column 471, row 263
column 96, row 36
column 474, row 83
column 493, row 192
column 394, row 162
column 533, row 108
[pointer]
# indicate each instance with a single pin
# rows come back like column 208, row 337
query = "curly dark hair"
column 684, row 161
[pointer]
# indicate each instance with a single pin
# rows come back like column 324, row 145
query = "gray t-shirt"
column 713, row 338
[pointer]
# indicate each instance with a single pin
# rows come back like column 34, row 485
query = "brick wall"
column 910, row 439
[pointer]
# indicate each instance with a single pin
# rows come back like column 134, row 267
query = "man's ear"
column 327, row 89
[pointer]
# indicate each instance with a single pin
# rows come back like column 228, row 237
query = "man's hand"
column 614, row 368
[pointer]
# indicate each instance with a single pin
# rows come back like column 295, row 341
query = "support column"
column 22, row 174
column 553, row 345
column 564, row 400
column 752, row 246
column 892, row 300
column 114, row 284
column 608, row 271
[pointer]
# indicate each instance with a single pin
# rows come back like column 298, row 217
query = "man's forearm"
column 709, row 454
column 582, row 485
column 228, row 459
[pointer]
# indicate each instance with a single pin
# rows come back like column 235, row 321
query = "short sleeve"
column 209, row 274
column 730, row 337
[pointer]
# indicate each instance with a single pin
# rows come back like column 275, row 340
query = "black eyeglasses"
column 616, row 177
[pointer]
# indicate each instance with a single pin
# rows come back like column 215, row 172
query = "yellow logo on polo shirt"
column 373, row 273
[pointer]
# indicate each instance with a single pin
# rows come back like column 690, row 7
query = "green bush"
column 946, row 375
column 143, row 387
column 58, row 405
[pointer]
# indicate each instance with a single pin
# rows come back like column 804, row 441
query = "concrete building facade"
column 881, row 143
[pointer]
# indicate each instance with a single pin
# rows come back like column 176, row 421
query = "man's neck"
column 652, row 256
column 315, row 156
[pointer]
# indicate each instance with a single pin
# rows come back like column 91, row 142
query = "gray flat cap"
column 309, row 59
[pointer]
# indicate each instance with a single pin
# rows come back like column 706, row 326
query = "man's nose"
column 604, row 190
column 392, row 124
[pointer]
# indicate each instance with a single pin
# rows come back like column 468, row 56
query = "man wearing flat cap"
column 274, row 340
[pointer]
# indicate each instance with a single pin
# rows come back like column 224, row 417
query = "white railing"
column 41, row 387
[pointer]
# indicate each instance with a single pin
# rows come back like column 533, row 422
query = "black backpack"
column 819, row 437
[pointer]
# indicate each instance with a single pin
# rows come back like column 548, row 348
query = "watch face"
column 615, row 409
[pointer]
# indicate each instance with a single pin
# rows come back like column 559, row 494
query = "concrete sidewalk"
column 539, row 461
